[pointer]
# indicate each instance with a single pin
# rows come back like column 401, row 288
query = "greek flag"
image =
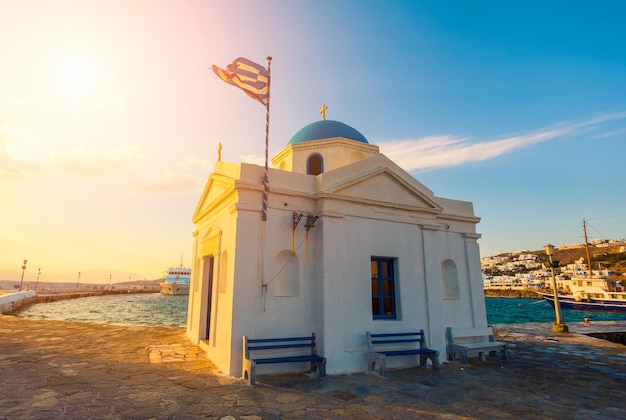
column 248, row 76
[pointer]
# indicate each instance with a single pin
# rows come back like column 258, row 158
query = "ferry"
column 176, row 281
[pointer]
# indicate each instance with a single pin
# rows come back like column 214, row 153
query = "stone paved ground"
column 70, row 370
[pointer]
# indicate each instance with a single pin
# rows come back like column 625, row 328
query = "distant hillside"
column 607, row 257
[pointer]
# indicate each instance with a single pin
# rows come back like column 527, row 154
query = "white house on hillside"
column 352, row 243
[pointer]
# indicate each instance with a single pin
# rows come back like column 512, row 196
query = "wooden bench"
column 384, row 345
column 260, row 351
column 466, row 341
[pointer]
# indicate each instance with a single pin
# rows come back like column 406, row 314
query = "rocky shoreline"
column 512, row 293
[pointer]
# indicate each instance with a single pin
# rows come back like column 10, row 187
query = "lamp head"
column 549, row 250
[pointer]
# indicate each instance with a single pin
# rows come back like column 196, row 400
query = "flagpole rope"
column 266, row 184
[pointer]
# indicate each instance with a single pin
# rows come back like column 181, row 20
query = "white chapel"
column 351, row 243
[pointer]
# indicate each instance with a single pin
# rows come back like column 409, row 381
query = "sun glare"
column 77, row 75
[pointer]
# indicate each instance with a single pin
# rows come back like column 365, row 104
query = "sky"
column 110, row 117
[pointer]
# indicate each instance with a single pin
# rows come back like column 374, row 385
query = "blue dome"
column 327, row 129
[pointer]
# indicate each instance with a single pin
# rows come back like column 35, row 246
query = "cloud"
column 171, row 182
column 194, row 162
column 434, row 152
column 91, row 163
column 22, row 156
column 613, row 133
column 253, row 159
column 12, row 168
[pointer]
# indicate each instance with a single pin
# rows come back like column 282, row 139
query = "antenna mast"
column 587, row 248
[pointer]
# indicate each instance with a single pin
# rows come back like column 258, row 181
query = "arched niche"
column 450, row 279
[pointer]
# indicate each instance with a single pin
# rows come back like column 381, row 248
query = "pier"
column 56, row 369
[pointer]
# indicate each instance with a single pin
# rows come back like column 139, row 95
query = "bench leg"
column 463, row 354
column 382, row 367
column 374, row 359
column 377, row 359
column 245, row 370
column 371, row 364
column 434, row 359
column 321, row 368
column 450, row 353
column 250, row 373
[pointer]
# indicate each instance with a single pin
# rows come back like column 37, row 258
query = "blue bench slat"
column 389, row 341
column 288, row 359
column 278, row 346
column 406, row 352
column 395, row 335
column 276, row 340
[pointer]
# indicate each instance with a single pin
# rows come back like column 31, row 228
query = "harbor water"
column 150, row 309
column 521, row 311
column 155, row 309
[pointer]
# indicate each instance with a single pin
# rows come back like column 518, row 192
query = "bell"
column 310, row 221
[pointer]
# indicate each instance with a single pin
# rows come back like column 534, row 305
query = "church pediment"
column 382, row 186
column 216, row 190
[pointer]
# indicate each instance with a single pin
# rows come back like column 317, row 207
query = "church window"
column 315, row 165
column 383, row 288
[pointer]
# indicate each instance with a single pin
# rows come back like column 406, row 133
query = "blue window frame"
column 383, row 288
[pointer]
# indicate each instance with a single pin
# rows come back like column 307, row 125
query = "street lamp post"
column 38, row 274
column 23, row 269
column 78, row 281
column 558, row 326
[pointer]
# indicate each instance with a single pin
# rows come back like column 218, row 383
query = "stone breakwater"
column 11, row 303
column 56, row 369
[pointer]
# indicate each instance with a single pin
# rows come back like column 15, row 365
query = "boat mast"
column 587, row 248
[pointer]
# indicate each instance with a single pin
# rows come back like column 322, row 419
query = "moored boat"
column 176, row 281
column 590, row 290
column 590, row 297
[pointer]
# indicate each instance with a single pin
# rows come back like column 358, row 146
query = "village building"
column 351, row 243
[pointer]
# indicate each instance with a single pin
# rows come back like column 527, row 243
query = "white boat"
column 176, row 281
column 594, row 291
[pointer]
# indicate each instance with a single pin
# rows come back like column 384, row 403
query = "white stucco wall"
column 368, row 208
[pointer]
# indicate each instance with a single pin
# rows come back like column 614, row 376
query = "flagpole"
column 266, row 185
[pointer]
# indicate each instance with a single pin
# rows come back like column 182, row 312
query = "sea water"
column 151, row 309
column 519, row 311
column 155, row 309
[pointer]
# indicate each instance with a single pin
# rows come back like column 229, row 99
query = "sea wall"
column 12, row 303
